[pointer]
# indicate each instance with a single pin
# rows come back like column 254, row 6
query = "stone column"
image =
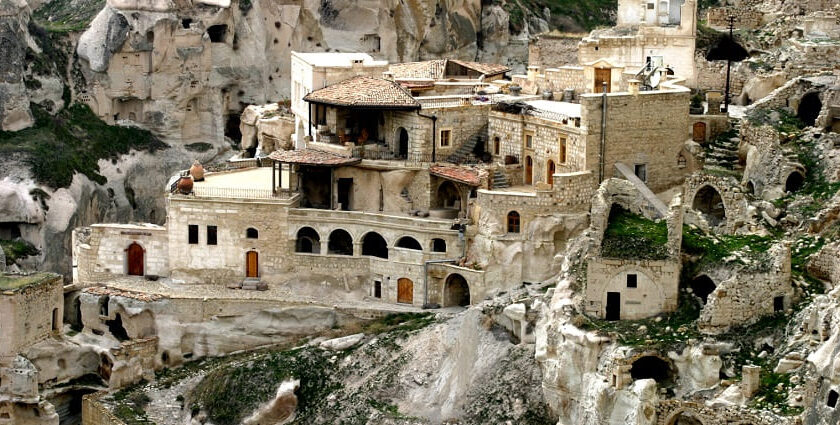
column 750, row 380
column 325, row 246
column 357, row 248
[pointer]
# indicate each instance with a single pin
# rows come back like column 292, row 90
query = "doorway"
column 699, row 132
column 135, row 259
column 403, row 144
column 377, row 289
column 602, row 76
column 529, row 170
column 345, row 193
column 405, row 291
column 613, row 305
column 252, row 264
column 549, row 178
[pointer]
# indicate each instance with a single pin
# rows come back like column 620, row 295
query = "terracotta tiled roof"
column 488, row 69
column 433, row 69
column 436, row 68
column 466, row 175
column 364, row 91
column 312, row 157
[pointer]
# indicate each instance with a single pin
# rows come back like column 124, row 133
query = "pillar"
column 750, row 381
column 325, row 245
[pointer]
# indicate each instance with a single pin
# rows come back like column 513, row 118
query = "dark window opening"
column 513, row 222
column 186, row 22
column 641, row 171
column 438, row 245
column 409, row 243
column 809, row 109
column 651, row 367
column 632, row 280
column 217, row 33
column 116, row 328
column 778, row 304
column 212, row 235
column 308, row 241
column 832, row 399
column 377, row 289
column 374, row 244
column 252, row 233
column 340, row 243
column 232, row 122
column 103, row 305
column 192, row 234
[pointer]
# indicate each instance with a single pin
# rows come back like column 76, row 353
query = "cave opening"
column 232, row 122
column 116, row 328
column 217, row 33
column 703, row 286
column 809, row 109
column 651, row 367
column 794, row 182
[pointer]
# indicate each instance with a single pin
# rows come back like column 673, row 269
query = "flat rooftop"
column 568, row 109
column 325, row 59
column 17, row 282
column 248, row 178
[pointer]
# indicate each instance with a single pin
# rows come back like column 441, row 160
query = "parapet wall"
column 745, row 17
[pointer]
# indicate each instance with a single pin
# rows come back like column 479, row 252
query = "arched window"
column 438, row 245
column 308, row 241
column 408, row 242
column 374, row 244
column 340, row 243
column 513, row 222
column 252, row 233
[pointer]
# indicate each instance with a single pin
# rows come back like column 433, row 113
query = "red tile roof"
column 466, row 175
column 312, row 157
column 366, row 92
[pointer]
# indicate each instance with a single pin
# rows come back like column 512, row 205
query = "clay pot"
column 197, row 171
column 185, row 185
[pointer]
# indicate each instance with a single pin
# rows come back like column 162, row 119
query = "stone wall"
column 767, row 167
column 133, row 361
column 29, row 315
column 552, row 50
column 100, row 251
column 745, row 17
column 95, row 413
column 745, row 295
column 731, row 193
column 667, row 412
column 648, row 128
column 824, row 264
column 656, row 292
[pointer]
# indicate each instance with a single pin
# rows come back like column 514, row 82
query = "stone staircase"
column 499, row 180
column 722, row 152
column 465, row 152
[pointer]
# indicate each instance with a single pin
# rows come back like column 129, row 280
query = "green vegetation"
column 17, row 249
column 131, row 407
column 630, row 235
column 589, row 14
column 663, row 332
column 8, row 283
column 773, row 393
column 67, row 15
column 780, row 119
column 72, row 141
column 714, row 249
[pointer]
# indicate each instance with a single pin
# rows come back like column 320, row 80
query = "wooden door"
column 602, row 75
column 699, row 133
column 135, row 259
column 613, row 305
column 405, row 291
column 529, row 170
column 252, row 264
column 551, row 169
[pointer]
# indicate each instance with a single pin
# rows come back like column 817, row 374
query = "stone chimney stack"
column 633, row 86
column 532, row 72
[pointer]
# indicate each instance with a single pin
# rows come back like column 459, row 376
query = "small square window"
column 632, row 280
column 211, row 235
column 832, row 399
column 650, row 6
column 193, row 234
column 445, row 136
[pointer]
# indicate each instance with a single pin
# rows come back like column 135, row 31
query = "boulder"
column 343, row 343
column 280, row 410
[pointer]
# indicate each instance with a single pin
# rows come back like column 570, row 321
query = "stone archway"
column 456, row 291
column 709, row 201
column 373, row 244
column 702, row 286
column 684, row 417
column 794, row 182
column 809, row 108
column 652, row 367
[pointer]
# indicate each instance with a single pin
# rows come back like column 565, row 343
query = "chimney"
column 633, row 86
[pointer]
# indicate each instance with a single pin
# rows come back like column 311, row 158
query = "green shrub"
column 17, row 249
column 632, row 236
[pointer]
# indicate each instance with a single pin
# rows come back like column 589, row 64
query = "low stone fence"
column 95, row 413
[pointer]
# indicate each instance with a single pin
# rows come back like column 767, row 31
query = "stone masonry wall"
column 656, row 292
column 26, row 315
column 745, row 17
column 99, row 251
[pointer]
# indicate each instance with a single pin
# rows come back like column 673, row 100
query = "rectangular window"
column 562, row 150
column 211, row 235
column 641, row 171
column 778, row 304
column 193, row 234
column 529, row 141
column 632, row 280
column 650, row 6
column 445, row 136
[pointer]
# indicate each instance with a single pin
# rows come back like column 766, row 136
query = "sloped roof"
column 466, row 175
column 312, row 157
column 436, row 68
column 365, row 92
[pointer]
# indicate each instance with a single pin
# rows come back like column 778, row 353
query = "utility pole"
column 731, row 20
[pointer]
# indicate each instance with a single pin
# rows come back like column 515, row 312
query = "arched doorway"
column 135, row 259
column 402, row 147
column 709, row 202
column 685, row 418
column 809, row 108
column 252, row 264
column 340, row 243
column 529, row 170
column 751, row 188
column 549, row 177
column 651, row 367
column 374, row 244
column 794, row 182
column 405, row 290
column 703, row 286
column 456, row 291
column 308, row 241
column 448, row 196
column 699, row 132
